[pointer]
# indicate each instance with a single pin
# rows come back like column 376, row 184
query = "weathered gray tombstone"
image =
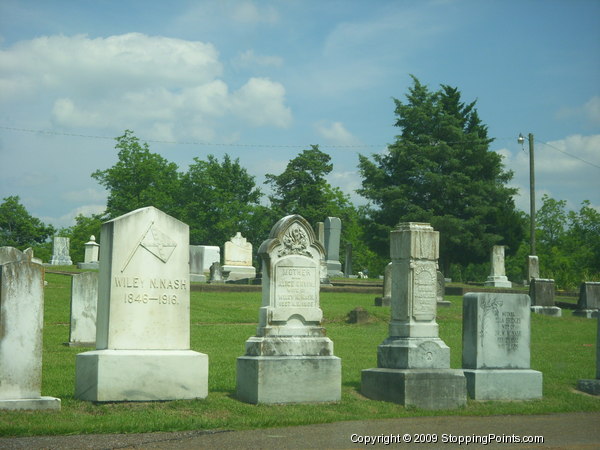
column 593, row 386
column 60, row 252
column 413, row 363
column 589, row 300
column 216, row 273
column 238, row 258
column 320, row 233
column 22, row 323
column 497, row 276
column 348, row 261
column 84, row 306
column 201, row 258
column 533, row 267
column 387, row 287
column 11, row 254
column 333, row 233
column 496, row 347
column 143, row 319
column 290, row 359
column 541, row 292
column 90, row 259
column 441, row 290
column 358, row 315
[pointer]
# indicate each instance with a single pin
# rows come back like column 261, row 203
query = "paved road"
column 573, row 431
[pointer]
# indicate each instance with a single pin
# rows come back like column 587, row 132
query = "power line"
column 568, row 154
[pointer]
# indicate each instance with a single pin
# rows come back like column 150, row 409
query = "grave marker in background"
column 201, row 258
column 497, row 276
column 60, row 252
column 84, row 306
column 593, row 386
column 333, row 232
column 541, row 292
column 238, row 258
column 589, row 300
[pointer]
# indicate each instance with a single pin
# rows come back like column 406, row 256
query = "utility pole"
column 520, row 140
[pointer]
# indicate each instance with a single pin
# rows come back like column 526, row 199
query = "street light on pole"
column 521, row 140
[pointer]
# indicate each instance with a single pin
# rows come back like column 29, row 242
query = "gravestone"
column 358, row 315
column 84, row 306
column 60, row 252
column 533, row 267
column 441, row 290
column 11, row 254
column 290, row 359
column 593, row 386
column 21, row 336
column 216, row 273
column 541, row 292
column 90, row 259
column 143, row 317
column 333, row 232
column 238, row 258
column 589, row 300
column 348, row 261
column 497, row 276
column 413, row 363
column 387, row 287
column 201, row 258
column 496, row 347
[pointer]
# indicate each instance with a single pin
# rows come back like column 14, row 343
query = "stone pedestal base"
column 289, row 379
column 30, row 403
column 501, row 282
column 554, row 311
column 423, row 388
column 198, row 278
column 587, row 313
column 239, row 272
column 589, row 386
column 503, row 384
column 413, row 353
column 383, row 301
column 88, row 265
column 443, row 304
column 140, row 375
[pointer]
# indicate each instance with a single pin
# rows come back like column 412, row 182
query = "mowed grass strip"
column 562, row 348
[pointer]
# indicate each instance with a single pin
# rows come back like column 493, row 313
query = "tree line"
column 439, row 170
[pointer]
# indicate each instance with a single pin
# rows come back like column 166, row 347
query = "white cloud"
column 163, row 88
column 348, row 182
column 592, row 110
column 250, row 12
column 250, row 59
column 589, row 111
column 68, row 219
column 335, row 133
column 261, row 101
column 85, row 195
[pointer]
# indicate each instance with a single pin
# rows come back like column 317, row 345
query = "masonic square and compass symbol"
column 156, row 242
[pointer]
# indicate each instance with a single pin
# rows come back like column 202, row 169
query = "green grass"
column 562, row 348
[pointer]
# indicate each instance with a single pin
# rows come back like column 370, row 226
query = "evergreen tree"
column 440, row 170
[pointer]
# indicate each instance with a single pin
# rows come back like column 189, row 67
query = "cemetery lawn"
column 562, row 348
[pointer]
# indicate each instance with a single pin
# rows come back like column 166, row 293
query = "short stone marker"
column 84, row 306
column 143, row 319
column 413, row 363
column 216, row 273
column 589, row 300
column 541, row 292
column 90, row 259
column 387, row 287
column 290, row 359
column 348, row 261
column 593, row 386
column 238, row 258
column 358, row 315
column 333, row 233
column 441, row 290
column 60, row 252
column 497, row 276
column 22, row 322
column 201, row 258
column 496, row 347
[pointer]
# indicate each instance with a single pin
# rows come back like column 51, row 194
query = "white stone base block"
column 504, row 384
column 90, row 265
column 289, row 379
column 553, row 311
column 413, row 353
column 587, row 313
column 501, row 282
column 140, row 375
column 30, row 403
column 197, row 278
column 422, row 388
column 239, row 272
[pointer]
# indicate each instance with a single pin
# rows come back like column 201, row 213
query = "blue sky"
column 263, row 80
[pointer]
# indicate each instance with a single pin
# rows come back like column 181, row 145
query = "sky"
column 264, row 80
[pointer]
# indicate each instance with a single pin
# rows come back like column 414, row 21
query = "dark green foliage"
column 21, row 230
column 139, row 179
column 80, row 233
column 219, row 199
column 440, row 170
